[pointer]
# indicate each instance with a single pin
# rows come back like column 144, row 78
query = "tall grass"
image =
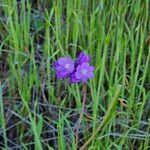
column 38, row 111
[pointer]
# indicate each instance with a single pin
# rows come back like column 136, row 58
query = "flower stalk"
column 82, row 112
column 106, row 118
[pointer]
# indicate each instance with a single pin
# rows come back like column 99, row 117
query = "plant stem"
column 82, row 111
column 106, row 119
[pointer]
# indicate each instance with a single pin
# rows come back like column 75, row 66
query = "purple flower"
column 73, row 78
column 64, row 66
column 83, row 73
column 82, row 58
column 80, row 71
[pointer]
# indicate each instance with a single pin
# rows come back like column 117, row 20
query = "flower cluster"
column 77, row 71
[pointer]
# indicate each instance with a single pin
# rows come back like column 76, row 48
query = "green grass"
column 40, row 112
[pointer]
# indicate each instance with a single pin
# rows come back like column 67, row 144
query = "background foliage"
column 37, row 110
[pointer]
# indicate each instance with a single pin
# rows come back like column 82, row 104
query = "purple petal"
column 82, row 57
column 64, row 66
column 59, row 68
column 73, row 78
column 61, row 61
column 84, row 80
column 91, row 68
column 90, row 75
column 78, row 75
column 84, row 72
